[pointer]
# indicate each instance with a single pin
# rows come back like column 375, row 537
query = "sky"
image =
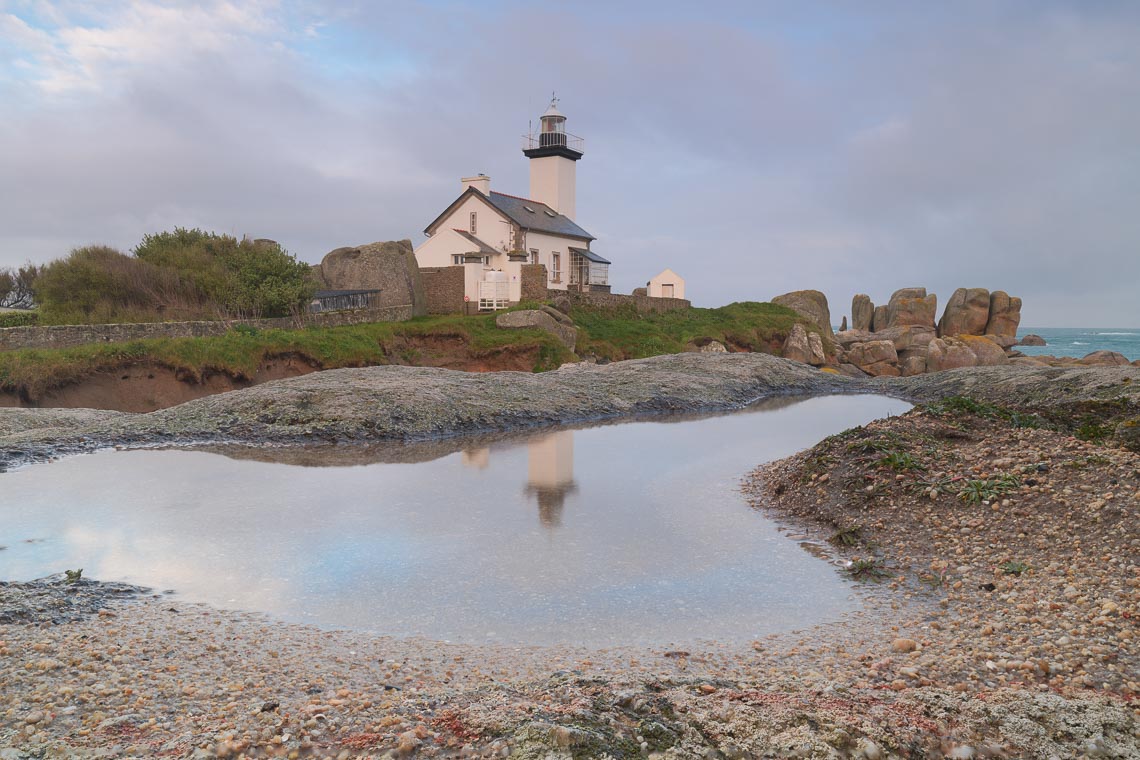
column 753, row 147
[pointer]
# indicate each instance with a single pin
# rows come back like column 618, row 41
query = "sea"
column 1080, row 341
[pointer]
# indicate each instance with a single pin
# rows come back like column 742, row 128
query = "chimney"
column 480, row 182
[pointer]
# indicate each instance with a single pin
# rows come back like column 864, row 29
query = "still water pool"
column 628, row 533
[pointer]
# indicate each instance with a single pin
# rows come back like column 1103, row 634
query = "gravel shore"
column 1001, row 627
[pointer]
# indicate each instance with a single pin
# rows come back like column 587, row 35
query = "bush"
column 18, row 318
column 101, row 284
column 243, row 278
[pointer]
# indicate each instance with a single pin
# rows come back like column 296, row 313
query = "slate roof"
column 538, row 220
column 483, row 247
column 590, row 255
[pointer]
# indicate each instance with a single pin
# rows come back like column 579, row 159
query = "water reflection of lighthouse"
column 550, row 474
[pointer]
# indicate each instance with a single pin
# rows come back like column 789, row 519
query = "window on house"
column 533, row 255
column 457, row 259
column 556, row 267
column 473, row 215
column 550, row 213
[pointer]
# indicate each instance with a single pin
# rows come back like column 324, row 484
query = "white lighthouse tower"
column 553, row 154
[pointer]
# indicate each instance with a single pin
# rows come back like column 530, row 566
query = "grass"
column 867, row 570
column 619, row 333
column 960, row 405
column 623, row 333
column 1014, row 568
column 241, row 351
column 977, row 491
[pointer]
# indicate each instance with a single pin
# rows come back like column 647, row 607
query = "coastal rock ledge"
column 397, row 403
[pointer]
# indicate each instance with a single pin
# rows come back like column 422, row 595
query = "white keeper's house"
column 493, row 234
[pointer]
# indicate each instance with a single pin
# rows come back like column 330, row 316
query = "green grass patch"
column 624, row 333
column 241, row 351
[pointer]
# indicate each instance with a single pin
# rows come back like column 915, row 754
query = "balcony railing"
column 553, row 140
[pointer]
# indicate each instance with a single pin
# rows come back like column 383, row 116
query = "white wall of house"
column 668, row 284
column 553, row 181
column 547, row 246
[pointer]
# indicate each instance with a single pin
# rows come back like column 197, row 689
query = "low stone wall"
column 643, row 304
column 443, row 289
column 64, row 336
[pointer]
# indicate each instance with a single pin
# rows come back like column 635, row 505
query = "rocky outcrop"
column 967, row 313
column 549, row 319
column 977, row 328
column 911, row 306
column 881, row 317
column 1032, row 340
column 1005, row 314
column 815, row 346
column 805, row 347
column 389, row 267
column 989, row 353
column 1104, row 359
column 812, row 305
column 947, row 353
column 862, row 312
column 843, row 324
column 875, row 357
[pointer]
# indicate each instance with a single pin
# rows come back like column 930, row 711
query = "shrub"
column 101, row 284
column 243, row 278
column 18, row 318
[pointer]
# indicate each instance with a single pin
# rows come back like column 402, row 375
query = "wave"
column 1116, row 333
column 1079, row 343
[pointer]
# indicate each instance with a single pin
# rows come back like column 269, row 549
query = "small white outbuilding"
column 668, row 284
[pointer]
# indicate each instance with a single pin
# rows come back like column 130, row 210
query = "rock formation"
column 843, row 324
column 911, row 306
column 1005, row 314
column 880, row 318
column 977, row 329
column 967, row 313
column 389, row 267
column 862, row 312
column 875, row 357
column 812, row 305
column 548, row 318
column 1033, row 340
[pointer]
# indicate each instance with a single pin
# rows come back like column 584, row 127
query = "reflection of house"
column 493, row 234
column 477, row 459
column 550, row 474
column 668, row 284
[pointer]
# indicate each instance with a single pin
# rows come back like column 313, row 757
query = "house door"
column 667, row 291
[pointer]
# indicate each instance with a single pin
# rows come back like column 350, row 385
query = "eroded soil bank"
column 1004, row 627
column 149, row 386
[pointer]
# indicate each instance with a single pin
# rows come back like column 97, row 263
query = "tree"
column 16, row 287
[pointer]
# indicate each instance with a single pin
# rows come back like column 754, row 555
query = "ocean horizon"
column 1081, row 341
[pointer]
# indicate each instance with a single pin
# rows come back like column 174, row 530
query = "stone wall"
column 643, row 304
column 533, row 282
column 65, row 336
column 443, row 289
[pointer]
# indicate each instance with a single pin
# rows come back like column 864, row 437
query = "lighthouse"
column 553, row 154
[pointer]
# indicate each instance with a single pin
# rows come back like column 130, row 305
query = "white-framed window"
column 533, row 255
column 474, row 218
column 556, row 267
column 461, row 258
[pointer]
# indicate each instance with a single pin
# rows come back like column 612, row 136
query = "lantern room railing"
column 553, row 139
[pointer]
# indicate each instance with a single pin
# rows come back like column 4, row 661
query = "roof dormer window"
column 528, row 208
column 550, row 213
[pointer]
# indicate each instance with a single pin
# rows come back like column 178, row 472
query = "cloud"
column 754, row 149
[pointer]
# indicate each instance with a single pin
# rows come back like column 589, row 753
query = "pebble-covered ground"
column 1002, row 598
